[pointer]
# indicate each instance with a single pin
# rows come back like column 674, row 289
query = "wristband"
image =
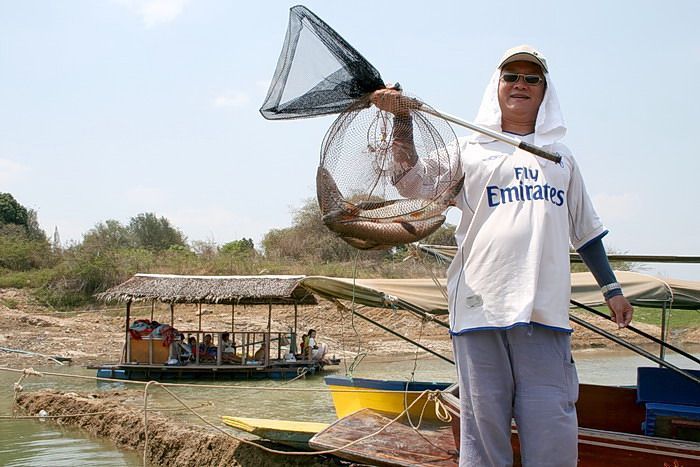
column 612, row 289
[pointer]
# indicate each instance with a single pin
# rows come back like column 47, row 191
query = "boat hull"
column 392, row 397
column 609, row 432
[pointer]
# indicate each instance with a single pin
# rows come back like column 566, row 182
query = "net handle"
column 513, row 141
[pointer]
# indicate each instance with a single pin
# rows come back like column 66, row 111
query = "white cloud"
column 154, row 12
column 231, row 99
column 11, row 171
column 618, row 207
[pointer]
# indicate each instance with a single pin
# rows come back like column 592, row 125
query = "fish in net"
column 384, row 179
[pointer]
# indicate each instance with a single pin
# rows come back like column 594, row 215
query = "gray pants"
column 525, row 373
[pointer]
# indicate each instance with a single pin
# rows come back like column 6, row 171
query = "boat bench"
column 672, row 403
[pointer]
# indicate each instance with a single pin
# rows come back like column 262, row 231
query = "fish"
column 335, row 209
column 368, row 235
column 377, row 225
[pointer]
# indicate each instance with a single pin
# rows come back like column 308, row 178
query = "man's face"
column 520, row 101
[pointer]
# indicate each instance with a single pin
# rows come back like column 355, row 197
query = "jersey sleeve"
column 584, row 223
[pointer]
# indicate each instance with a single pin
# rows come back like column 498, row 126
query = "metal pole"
column 632, row 347
column 200, row 317
column 640, row 332
column 127, row 341
column 153, row 305
column 513, row 141
column 172, row 314
column 662, row 349
column 381, row 326
column 233, row 320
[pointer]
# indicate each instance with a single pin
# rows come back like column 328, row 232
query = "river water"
column 35, row 443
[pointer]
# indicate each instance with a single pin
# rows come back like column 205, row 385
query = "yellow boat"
column 288, row 432
column 392, row 397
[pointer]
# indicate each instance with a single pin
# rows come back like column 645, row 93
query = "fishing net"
column 384, row 179
column 318, row 73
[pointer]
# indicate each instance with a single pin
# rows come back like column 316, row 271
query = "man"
column 509, row 284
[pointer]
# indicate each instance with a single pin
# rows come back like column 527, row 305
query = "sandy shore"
column 94, row 337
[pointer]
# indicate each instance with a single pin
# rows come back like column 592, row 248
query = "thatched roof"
column 210, row 289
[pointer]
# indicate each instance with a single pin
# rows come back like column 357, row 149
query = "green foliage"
column 154, row 233
column 445, row 235
column 308, row 239
column 108, row 235
column 244, row 246
column 9, row 303
column 616, row 265
column 21, row 252
column 11, row 212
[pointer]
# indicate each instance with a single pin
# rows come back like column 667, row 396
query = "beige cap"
column 525, row 53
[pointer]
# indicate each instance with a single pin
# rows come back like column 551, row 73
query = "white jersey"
column 519, row 213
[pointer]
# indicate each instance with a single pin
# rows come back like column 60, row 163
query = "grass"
column 9, row 303
column 677, row 319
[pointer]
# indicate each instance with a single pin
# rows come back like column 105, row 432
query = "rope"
column 291, row 453
column 18, row 385
column 201, row 386
column 30, row 372
column 302, row 371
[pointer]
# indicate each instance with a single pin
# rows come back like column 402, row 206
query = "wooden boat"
column 290, row 433
column 611, row 430
column 619, row 426
column 255, row 353
column 353, row 394
column 397, row 444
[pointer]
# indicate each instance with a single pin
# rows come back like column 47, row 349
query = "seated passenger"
column 184, row 349
column 260, row 353
column 303, row 346
column 207, row 349
column 227, row 345
column 317, row 351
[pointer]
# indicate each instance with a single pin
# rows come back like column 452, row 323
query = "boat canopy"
column 425, row 295
column 246, row 290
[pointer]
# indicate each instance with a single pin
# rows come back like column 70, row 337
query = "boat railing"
column 149, row 350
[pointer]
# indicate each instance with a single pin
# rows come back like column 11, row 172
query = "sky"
column 111, row 108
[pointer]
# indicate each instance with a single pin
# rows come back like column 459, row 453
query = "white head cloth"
column 549, row 127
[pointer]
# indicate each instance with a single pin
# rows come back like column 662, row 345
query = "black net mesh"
column 385, row 180
column 318, row 73
column 367, row 184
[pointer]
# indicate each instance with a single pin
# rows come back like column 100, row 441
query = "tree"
column 445, row 235
column 108, row 235
column 244, row 246
column 11, row 212
column 154, row 233
column 309, row 239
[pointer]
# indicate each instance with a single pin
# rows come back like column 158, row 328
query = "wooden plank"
column 397, row 445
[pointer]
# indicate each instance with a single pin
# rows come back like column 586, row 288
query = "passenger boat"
column 152, row 357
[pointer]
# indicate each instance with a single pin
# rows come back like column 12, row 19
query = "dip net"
column 384, row 179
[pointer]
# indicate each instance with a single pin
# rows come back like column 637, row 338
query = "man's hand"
column 391, row 100
column 621, row 310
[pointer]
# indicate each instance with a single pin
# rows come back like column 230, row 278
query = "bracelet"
column 611, row 290
column 610, row 287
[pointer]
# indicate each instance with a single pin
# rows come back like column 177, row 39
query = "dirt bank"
column 98, row 336
column 171, row 443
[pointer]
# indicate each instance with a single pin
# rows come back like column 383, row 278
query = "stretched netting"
column 384, row 179
column 318, row 73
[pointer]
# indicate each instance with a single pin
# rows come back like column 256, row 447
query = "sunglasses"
column 532, row 80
